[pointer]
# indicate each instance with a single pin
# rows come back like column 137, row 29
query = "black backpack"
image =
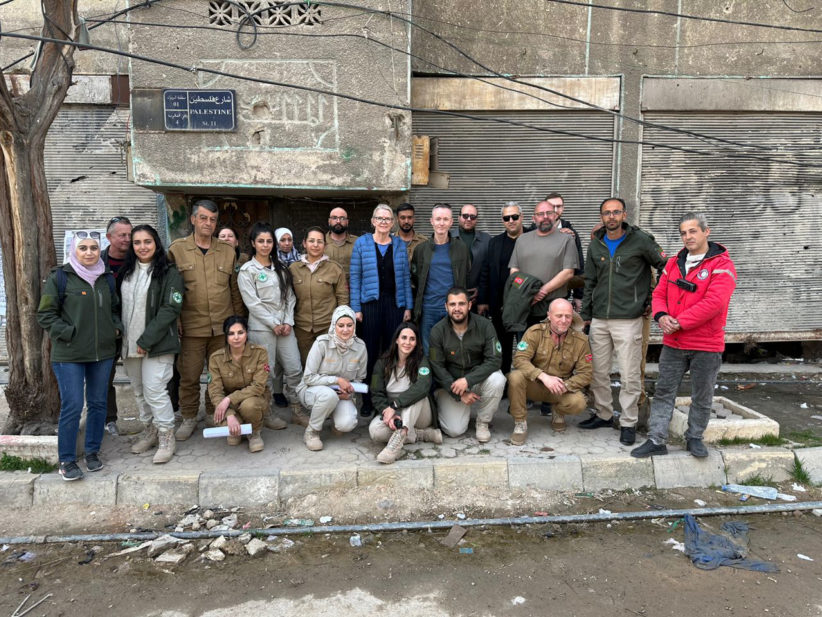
column 62, row 281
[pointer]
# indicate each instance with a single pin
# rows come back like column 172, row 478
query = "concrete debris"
column 454, row 536
column 233, row 547
column 699, row 502
column 219, row 543
column 244, row 539
column 461, row 516
column 214, row 555
column 230, row 520
column 256, row 547
column 785, row 497
column 324, row 520
column 211, row 524
column 131, row 549
column 189, row 520
column 355, row 540
column 176, row 555
column 299, row 522
column 208, row 514
column 817, row 512
column 518, row 600
column 161, row 544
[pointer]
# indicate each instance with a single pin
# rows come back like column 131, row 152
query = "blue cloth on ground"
column 708, row 551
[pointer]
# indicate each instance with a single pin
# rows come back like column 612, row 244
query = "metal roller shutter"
column 766, row 213
column 87, row 179
column 491, row 163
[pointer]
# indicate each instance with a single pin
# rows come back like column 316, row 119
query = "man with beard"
column 552, row 365
column 465, row 358
column 405, row 229
column 339, row 244
column 495, row 273
column 548, row 255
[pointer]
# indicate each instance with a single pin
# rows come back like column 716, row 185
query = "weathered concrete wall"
column 539, row 38
column 286, row 139
column 24, row 16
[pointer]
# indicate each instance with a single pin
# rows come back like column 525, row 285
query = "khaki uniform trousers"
column 194, row 354
column 621, row 338
column 250, row 411
column 520, row 389
column 305, row 339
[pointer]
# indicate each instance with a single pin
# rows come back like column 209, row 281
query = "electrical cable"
column 686, row 16
column 387, row 105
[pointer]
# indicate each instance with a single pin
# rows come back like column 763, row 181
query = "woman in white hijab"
column 335, row 361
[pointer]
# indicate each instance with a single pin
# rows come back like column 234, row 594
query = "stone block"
column 301, row 482
column 561, row 473
column 30, row 446
column 16, row 489
column 743, row 423
column 402, row 474
column 616, row 472
column 236, row 488
column 680, row 469
column 172, row 488
column 773, row 463
column 811, row 459
column 99, row 489
column 460, row 473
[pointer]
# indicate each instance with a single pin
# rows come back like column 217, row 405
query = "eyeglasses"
column 469, row 217
column 609, row 213
column 541, row 215
column 95, row 235
column 337, row 218
column 382, row 219
column 510, row 217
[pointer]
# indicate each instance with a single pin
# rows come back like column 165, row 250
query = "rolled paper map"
column 222, row 431
column 360, row 388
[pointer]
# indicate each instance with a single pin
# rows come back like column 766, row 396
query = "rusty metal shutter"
column 491, row 163
column 767, row 214
column 87, row 180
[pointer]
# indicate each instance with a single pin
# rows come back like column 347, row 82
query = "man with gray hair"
column 207, row 265
column 690, row 304
column 494, row 274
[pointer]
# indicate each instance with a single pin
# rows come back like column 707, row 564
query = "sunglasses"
column 470, row 217
column 510, row 217
column 87, row 234
column 119, row 219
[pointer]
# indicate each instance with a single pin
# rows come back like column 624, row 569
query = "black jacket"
column 495, row 271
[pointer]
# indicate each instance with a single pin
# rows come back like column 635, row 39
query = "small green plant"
column 15, row 463
column 765, row 440
column 757, row 480
column 807, row 438
column 798, row 472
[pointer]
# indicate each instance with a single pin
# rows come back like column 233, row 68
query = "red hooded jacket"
column 701, row 313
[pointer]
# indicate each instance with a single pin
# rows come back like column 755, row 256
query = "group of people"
column 416, row 331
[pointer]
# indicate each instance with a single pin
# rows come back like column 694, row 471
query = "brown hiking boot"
column 434, row 435
column 312, row 439
column 393, row 450
column 255, row 441
column 298, row 415
column 520, row 433
column 274, row 422
column 234, row 440
column 186, row 429
column 146, row 440
column 167, row 446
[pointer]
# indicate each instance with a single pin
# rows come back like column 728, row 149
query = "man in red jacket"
column 690, row 304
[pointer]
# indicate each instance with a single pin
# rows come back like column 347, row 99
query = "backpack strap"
column 62, row 282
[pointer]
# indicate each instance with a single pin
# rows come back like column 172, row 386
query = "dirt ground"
column 596, row 569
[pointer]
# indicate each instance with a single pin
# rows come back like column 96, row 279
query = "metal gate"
column 766, row 212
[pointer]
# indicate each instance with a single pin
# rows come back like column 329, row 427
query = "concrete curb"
column 276, row 487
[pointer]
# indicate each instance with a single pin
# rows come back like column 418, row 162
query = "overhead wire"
column 388, row 105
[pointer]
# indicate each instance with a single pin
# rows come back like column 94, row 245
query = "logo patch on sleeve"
column 702, row 274
column 177, row 297
column 589, row 357
column 266, row 368
column 498, row 347
column 518, row 281
column 522, row 346
column 209, row 378
column 424, row 370
column 262, row 277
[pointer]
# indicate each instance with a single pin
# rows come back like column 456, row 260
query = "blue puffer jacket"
column 365, row 282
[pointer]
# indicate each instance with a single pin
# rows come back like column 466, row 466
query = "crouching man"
column 552, row 364
column 690, row 304
column 465, row 358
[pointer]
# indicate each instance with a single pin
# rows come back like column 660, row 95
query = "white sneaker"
column 483, row 434
column 312, row 440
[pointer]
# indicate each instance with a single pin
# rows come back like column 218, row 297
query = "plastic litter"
column 324, row 520
column 461, row 516
column 466, row 551
column 817, row 511
column 518, row 600
column 755, row 446
column 299, row 522
column 355, row 540
column 763, row 492
column 709, row 551
column 700, row 503
column 817, row 417
column 785, row 497
column 803, row 406
column 804, row 557
column 604, row 511
column 26, row 556
column 677, row 546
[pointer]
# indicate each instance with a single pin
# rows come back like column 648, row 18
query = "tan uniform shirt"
column 413, row 243
column 325, row 363
column 238, row 380
column 341, row 254
column 571, row 361
column 318, row 294
column 210, row 281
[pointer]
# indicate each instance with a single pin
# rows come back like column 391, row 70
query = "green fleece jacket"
column 87, row 326
column 417, row 391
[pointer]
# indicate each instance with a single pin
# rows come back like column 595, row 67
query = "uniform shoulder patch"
column 237, row 268
column 522, row 346
column 262, row 277
column 589, row 357
column 702, row 274
column 424, row 370
column 266, row 368
column 498, row 347
column 177, row 297
column 209, row 378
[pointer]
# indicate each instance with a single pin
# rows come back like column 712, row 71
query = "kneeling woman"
column 399, row 388
column 238, row 383
column 335, row 360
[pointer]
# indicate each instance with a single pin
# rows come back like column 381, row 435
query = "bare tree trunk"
column 28, row 247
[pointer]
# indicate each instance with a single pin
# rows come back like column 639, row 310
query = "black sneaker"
column 627, row 435
column 595, row 422
column 70, row 471
column 697, row 448
column 93, row 462
column 649, row 448
column 280, row 400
